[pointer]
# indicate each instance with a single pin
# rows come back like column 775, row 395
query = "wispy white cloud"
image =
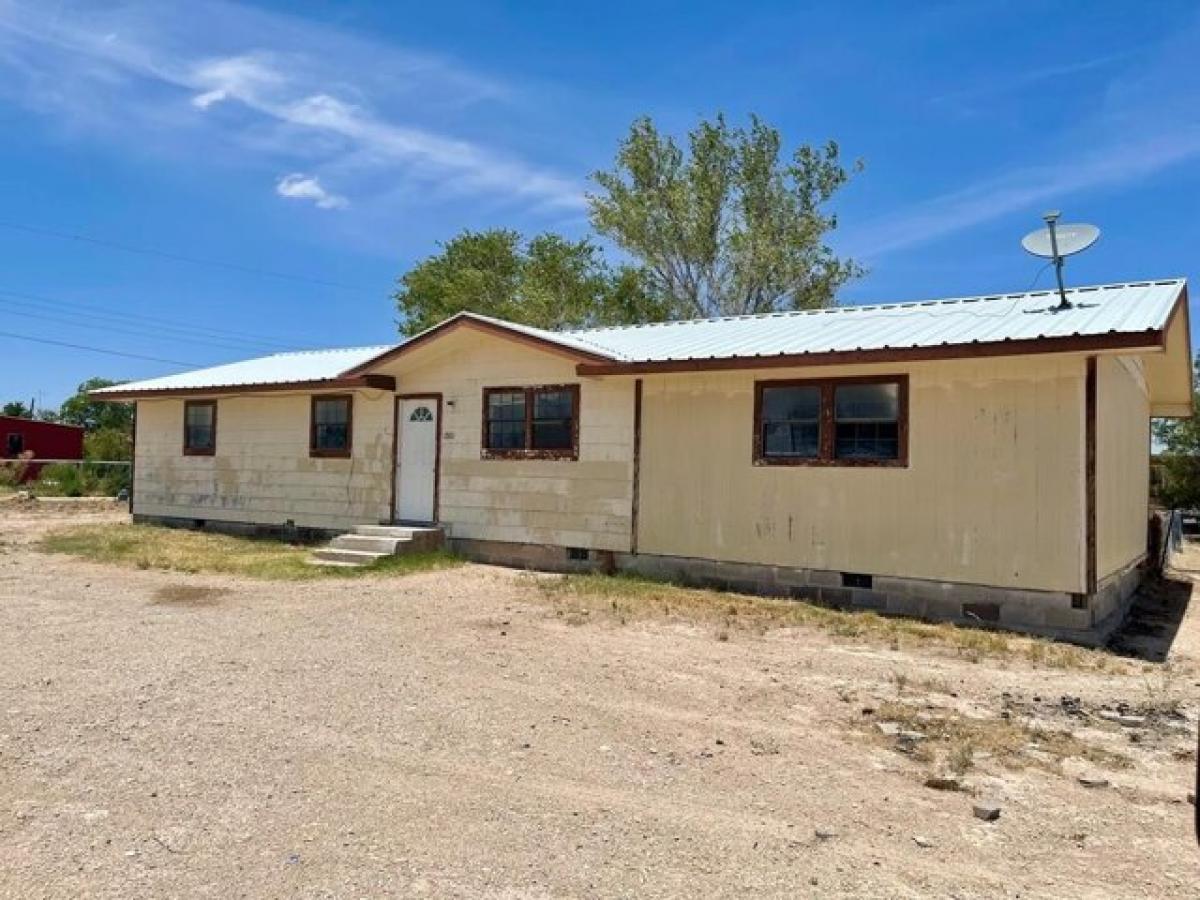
column 1022, row 189
column 1015, row 80
column 298, row 186
column 208, row 98
column 1141, row 123
column 333, row 101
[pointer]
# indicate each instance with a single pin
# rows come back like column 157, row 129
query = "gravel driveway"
column 166, row 735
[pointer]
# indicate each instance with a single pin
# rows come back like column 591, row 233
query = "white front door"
column 416, row 458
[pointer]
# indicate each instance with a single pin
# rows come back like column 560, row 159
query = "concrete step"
column 369, row 543
column 396, row 531
column 416, row 538
column 350, row 557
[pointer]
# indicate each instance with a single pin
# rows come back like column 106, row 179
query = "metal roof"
column 279, row 368
column 1113, row 309
column 1108, row 309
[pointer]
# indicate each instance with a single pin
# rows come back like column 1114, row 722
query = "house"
column 44, row 441
column 973, row 459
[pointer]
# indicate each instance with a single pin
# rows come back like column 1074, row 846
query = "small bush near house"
column 81, row 480
column 153, row 547
column 12, row 472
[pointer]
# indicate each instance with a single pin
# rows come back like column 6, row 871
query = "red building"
column 45, row 440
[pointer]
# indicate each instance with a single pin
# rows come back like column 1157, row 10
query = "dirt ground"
column 446, row 735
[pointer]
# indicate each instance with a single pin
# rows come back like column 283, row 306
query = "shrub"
column 61, row 480
column 82, row 480
column 12, row 471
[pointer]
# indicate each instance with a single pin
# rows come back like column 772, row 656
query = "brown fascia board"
column 379, row 382
column 464, row 321
column 1150, row 339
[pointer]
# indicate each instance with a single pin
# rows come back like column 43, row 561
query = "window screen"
column 200, row 427
column 330, row 426
column 531, row 422
column 791, row 422
column 867, row 421
column 832, row 421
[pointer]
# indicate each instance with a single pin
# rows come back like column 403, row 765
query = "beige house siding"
column 261, row 471
column 573, row 503
column 1122, row 463
column 993, row 493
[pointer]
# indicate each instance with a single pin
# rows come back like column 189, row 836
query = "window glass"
column 15, row 445
column 421, row 414
column 506, row 420
column 867, row 421
column 791, row 422
column 199, row 429
column 553, row 418
column 331, row 424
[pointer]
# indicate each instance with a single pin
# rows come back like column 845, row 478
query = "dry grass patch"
column 627, row 598
column 957, row 741
column 188, row 595
column 153, row 547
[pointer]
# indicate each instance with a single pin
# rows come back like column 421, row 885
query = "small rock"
column 825, row 834
column 1109, row 715
column 985, row 812
column 1093, row 781
column 891, row 729
column 910, row 737
column 944, row 783
column 1131, row 721
column 922, row 841
column 868, row 710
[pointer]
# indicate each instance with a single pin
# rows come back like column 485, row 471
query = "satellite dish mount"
column 1058, row 242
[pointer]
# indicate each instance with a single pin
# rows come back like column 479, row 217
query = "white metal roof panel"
column 279, row 368
column 1107, row 309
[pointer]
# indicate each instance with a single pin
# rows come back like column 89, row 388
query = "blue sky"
column 309, row 153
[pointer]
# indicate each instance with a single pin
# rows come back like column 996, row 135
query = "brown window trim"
column 570, row 454
column 318, row 453
column 199, row 451
column 826, row 457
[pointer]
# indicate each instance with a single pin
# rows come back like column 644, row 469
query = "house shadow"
column 1154, row 619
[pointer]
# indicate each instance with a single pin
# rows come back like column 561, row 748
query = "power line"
column 37, row 340
column 180, row 257
column 135, row 330
column 174, row 324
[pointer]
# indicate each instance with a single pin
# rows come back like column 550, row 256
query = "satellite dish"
column 1057, row 242
column 1071, row 239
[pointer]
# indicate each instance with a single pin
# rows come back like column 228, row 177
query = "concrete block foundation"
column 1081, row 619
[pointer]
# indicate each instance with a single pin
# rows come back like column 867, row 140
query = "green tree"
column 94, row 415
column 108, row 444
column 1178, row 482
column 16, row 408
column 547, row 281
column 729, row 227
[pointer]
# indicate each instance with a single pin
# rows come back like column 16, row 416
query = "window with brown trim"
column 531, row 422
column 199, row 427
column 832, row 422
column 331, row 428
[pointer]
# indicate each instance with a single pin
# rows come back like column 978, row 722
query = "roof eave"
column 1148, row 340
column 379, row 382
